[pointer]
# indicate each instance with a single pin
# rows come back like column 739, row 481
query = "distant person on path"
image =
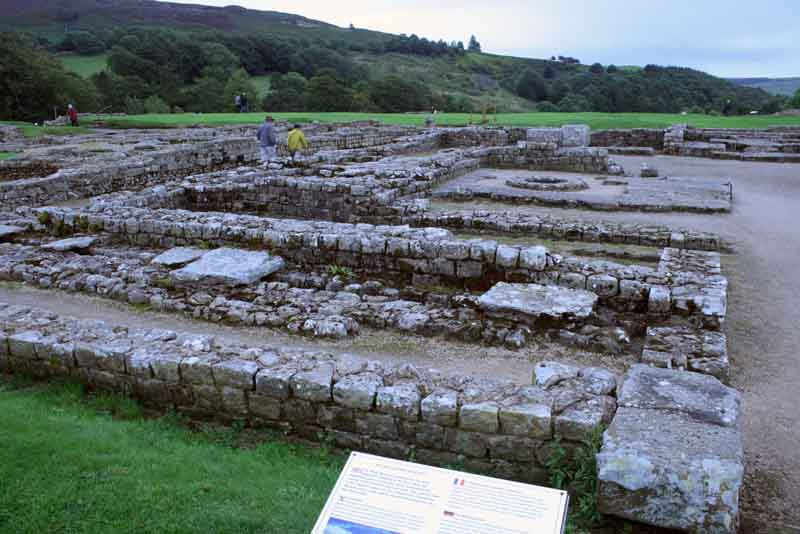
column 297, row 141
column 245, row 108
column 268, row 141
column 73, row 115
column 237, row 101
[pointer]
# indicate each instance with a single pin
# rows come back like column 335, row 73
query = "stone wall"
column 396, row 252
column 129, row 174
column 636, row 137
column 566, row 229
column 494, row 427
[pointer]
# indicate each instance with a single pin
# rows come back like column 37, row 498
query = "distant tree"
column 239, row 83
column 612, row 69
column 794, row 102
column 546, row 107
column 32, row 83
column 394, row 94
column 287, row 93
column 597, row 69
column 557, row 90
column 327, row 93
column 82, row 42
column 474, row 45
column 531, row 86
column 155, row 104
column 549, row 73
column 574, row 103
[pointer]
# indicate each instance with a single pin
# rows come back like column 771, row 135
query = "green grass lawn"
column 31, row 130
column 67, row 465
column 7, row 155
column 84, row 66
column 597, row 121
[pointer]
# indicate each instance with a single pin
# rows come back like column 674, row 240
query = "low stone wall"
column 636, row 137
column 547, row 157
column 129, row 174
column 497, row 428
column 567, row 229
column 399, row 253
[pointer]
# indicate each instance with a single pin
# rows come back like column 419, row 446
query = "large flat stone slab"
column 7, row 231
column 179, row 256
column 667, row 469
column 702, row 397
column 228, row 266
column 530, row 302
column 71, row 244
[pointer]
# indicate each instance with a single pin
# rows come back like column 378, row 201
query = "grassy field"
column 31, row 130
column 84, row 66
column 597, row 121
column 67, row 465
column 7, row 155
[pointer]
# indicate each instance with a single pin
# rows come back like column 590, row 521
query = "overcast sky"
column 723, row 37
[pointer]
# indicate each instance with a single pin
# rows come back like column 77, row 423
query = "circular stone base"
column 548, row 183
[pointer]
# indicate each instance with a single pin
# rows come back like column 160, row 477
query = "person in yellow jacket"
column 297, row 140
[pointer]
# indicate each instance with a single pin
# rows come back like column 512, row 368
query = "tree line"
column 161, row 70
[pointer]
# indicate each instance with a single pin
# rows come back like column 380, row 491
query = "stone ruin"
column 780, row 144
column 347, row 240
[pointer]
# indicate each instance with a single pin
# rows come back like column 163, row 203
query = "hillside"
column 180, row 56
column 50, row 18
column 775, row 86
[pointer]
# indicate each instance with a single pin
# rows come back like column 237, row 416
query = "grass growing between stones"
column 71, row 463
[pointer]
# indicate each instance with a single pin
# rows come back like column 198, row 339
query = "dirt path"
column 763, row 318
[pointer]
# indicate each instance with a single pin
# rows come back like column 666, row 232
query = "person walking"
column 237, row 101
column 296, row 141
column 245, row 106
column 267, row 140
column 73, row 115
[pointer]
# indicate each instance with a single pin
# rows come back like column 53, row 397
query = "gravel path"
column 763, row 318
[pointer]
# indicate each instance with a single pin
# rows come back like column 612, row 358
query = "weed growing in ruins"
column 576, row 471
column 341, row 271
column 44, row 218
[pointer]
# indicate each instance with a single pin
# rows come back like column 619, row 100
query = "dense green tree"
column 597, row 68
column 327, row 93
column 574, row 103
column 474, row 45
column 612, row 69
column 32, row 83
column 394, row 94
column 82, row 42
column 794, row 102
column 287, row 93
column 239, row 83
column 531, row 86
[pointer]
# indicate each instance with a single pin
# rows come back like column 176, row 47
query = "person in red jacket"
column 73, row 115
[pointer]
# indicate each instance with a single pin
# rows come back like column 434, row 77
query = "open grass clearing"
column 597, row 121
column 84, row 66
column 7, row 155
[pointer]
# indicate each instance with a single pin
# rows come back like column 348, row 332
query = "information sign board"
column 376, row 495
